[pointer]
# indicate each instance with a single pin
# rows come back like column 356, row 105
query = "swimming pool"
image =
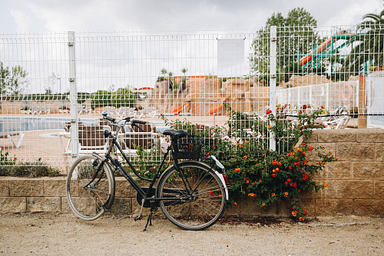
column 21, row 124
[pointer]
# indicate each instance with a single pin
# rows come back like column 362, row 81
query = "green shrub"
column 9, row 167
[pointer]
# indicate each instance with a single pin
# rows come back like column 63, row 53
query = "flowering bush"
column 273, row 176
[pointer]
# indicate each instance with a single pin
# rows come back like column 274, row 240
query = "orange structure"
column 220, row 106
column 180, row 109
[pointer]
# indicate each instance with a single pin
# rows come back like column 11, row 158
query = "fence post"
column 73, row 96
column 272, row 88
column 362, row 119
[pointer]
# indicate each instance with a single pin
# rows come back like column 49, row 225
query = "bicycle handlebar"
column 132, row 122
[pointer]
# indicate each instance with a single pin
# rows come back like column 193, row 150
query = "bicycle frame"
column 128, row 177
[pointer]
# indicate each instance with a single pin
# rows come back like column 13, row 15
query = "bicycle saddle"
column 176, row 134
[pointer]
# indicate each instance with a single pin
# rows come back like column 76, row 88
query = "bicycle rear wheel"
column 196, row 196
column 90, row 187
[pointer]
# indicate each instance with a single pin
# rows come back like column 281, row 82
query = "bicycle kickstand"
column 149, row 220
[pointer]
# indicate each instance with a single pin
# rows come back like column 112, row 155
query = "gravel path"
column 42, row 234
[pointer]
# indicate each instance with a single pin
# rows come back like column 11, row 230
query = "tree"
column 12, row 80
column 184, row 70
column 295, row 33
column 369, row 44
column 164, row 72
column 51, row 81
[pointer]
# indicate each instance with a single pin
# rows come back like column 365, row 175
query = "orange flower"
column 245, row 157
column 262, row 155
column 273, row 194
column 294, row 214
column 251, row 194
column 235, row 203
column 169, row 161
column 326, row 184
column 310, row 148
column 286, row 194
column 269, row 126
column 237, row 169
column 273, row 175
column 213, row 146
column 263, row 204
column 301, row 219
column 246, row 142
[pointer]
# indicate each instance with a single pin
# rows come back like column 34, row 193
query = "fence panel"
column 197, row 78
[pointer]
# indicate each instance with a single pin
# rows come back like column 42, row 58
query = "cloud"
column 22, row 20
column 185, row 15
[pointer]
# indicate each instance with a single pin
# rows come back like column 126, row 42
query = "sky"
column 138, row 63
column 169, row 15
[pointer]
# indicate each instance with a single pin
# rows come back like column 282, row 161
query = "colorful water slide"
column 180, row 109
column 339, row 35
column 220, row 106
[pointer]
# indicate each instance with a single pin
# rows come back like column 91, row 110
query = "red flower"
column 273, row 175
column 305, row 176
column 288, row 180
column 296, row 163
column 268, row 111
column 295, row 185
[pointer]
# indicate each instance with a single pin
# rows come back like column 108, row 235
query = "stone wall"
column 356, row 184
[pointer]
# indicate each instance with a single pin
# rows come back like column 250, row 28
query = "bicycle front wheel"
column 194, row 196
column 90, row 187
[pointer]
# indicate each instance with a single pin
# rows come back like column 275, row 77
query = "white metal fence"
column 74, row 77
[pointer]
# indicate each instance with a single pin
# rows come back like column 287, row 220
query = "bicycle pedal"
column 138, row 218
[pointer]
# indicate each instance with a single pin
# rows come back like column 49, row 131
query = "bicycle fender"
column 223, row 181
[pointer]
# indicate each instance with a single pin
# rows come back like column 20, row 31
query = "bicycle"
column 191, row 194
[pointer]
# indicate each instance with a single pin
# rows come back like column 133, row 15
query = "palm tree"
column 184, row 70
column 370, row 34
column 164, row 72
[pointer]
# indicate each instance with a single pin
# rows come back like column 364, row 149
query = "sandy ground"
column 42, row 234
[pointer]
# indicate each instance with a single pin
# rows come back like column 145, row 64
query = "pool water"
column 13, row 124
column 21, row 124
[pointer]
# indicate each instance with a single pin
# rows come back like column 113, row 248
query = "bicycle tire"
column 89, row 195
column 206, row 202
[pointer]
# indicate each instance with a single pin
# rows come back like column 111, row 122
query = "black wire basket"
column 187, row 148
